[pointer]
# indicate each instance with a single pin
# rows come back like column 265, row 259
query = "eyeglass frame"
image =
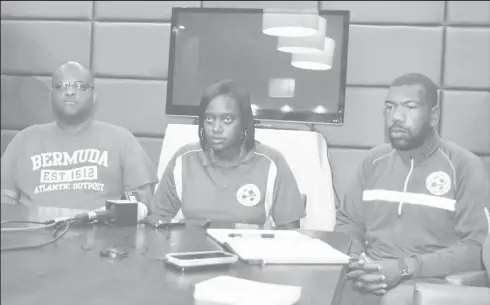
column 71, row 85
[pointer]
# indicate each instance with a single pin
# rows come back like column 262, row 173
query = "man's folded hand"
column 370, row 276
column 371, row 283
column 391, row 272
column 358, row 266
column 377, row 276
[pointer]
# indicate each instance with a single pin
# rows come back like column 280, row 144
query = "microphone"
column 115, row 212
column 99, row 214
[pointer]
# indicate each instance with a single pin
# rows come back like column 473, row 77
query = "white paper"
column 235, row 291
column 287, row 247
column 222, row 235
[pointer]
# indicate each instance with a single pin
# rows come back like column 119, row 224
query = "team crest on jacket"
column 438, row 183
column 248, row 195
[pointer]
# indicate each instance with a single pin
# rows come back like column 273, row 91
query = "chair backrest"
column 7, row 136
column 486, row 256
column 306, row 154
column 305, row 199
column 486, row 247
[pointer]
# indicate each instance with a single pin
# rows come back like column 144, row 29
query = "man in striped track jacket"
column 415, row 209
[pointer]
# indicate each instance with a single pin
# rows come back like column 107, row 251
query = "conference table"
column 72, row 270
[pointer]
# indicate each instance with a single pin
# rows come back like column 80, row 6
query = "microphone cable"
column 43, row 225
column 61, row 226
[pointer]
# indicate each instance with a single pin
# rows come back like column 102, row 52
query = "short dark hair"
column 429, row 88
column 237, row 92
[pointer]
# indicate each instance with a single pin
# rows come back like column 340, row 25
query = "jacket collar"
column 208, row 157
column 419, row 154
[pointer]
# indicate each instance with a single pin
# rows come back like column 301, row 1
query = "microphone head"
column 125, row 212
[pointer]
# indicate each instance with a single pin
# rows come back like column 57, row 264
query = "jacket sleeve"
column 470, row 223
column 9, row 188
column 137, row 168
column 287, row 205
column 349, row 214
column 166, row 202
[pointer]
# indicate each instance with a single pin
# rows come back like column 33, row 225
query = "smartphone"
column 200, row 259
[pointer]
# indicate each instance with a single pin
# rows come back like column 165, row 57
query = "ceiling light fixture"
column 289, row 24
column 316, row 61
column 305, row 45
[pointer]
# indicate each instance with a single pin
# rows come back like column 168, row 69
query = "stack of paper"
column 229, row 290
column 285, row 247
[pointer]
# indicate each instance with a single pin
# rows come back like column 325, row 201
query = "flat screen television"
column 212, row 44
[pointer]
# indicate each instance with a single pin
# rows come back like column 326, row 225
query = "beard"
column 408, row 140
column 76, row 117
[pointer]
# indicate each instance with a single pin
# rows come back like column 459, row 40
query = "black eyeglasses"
column 77, row 85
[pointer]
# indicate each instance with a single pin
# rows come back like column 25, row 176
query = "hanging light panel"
column 305, row 45
column 316, row 61
column 289, row 24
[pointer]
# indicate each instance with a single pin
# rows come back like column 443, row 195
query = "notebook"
column 228, row 290
column 277, row 247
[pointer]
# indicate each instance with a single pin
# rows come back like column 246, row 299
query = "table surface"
column 71, row 271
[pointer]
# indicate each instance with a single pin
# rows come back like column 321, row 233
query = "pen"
column 255, row 262
column 234, row 235
column 267, row 235
column 263, row 235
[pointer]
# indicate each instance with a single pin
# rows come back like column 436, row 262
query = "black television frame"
column 186, row 111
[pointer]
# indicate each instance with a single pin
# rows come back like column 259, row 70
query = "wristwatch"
column 405, row 271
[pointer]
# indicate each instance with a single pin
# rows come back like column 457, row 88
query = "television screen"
column 289, row 79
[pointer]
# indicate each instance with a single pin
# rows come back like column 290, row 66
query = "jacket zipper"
column 400, row 205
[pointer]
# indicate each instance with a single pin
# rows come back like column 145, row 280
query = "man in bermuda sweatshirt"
column 415, row 209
